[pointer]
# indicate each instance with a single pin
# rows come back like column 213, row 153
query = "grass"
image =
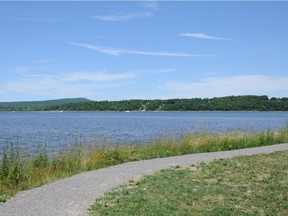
column 251, row 185
column 19, row 173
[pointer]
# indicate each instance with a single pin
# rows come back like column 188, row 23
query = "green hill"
column 45, row 103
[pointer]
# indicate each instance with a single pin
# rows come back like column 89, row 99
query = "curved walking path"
column 74, row 195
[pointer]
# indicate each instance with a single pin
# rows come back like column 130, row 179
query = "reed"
column 19, row 173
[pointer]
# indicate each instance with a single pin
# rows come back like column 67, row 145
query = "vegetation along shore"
column 230, row 103
column 19, row 173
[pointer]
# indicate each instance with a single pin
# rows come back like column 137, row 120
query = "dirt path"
column 74, row 195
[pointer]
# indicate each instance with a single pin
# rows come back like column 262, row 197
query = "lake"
column 61, row 129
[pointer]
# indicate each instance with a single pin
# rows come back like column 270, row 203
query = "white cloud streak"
column 234, row 85
column 98, row 77
column 201, row 36
column 41, row 61
column 151, row 5
column 118, row 52
column 98, row 84
column 18, row 70
column 66, row 85
column 122, row 16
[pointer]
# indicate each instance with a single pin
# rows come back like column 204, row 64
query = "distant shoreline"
column 229, row 103
column 135, row 111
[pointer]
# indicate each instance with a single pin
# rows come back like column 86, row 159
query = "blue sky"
column 142, row 50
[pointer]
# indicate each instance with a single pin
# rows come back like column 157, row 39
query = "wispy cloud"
column 45, row 87
column 18, row 70
column 82, row 84
column 150, row 5
column 118, row 52
column 102, row 76
column 232, row 85
column 155, row 71
column 91, row 84
column 41, row 61
column 202, row 36
column 122, row 16
column 98, row 76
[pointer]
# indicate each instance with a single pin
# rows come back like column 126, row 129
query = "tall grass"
column 18, row 173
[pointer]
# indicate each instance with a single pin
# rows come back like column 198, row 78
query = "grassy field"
column 251, row 185
column 19, row 173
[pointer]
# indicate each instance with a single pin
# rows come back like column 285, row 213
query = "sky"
column 116, row 50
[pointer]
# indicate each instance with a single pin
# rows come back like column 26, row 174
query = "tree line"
column 230, row 103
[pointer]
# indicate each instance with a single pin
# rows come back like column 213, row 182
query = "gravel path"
column 74, row 195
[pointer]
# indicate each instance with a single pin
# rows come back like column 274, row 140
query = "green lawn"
column 251, row 185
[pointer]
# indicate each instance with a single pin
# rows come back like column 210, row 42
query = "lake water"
column 60, row 129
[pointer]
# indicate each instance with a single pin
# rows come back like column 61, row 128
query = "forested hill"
column 231, row 103
column 38, row 104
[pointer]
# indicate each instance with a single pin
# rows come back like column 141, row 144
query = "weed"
column 40, row 158
column 19, row 173
column 11, row 167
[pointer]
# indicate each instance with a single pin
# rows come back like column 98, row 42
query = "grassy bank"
column 18, row 173
column 251, row 185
